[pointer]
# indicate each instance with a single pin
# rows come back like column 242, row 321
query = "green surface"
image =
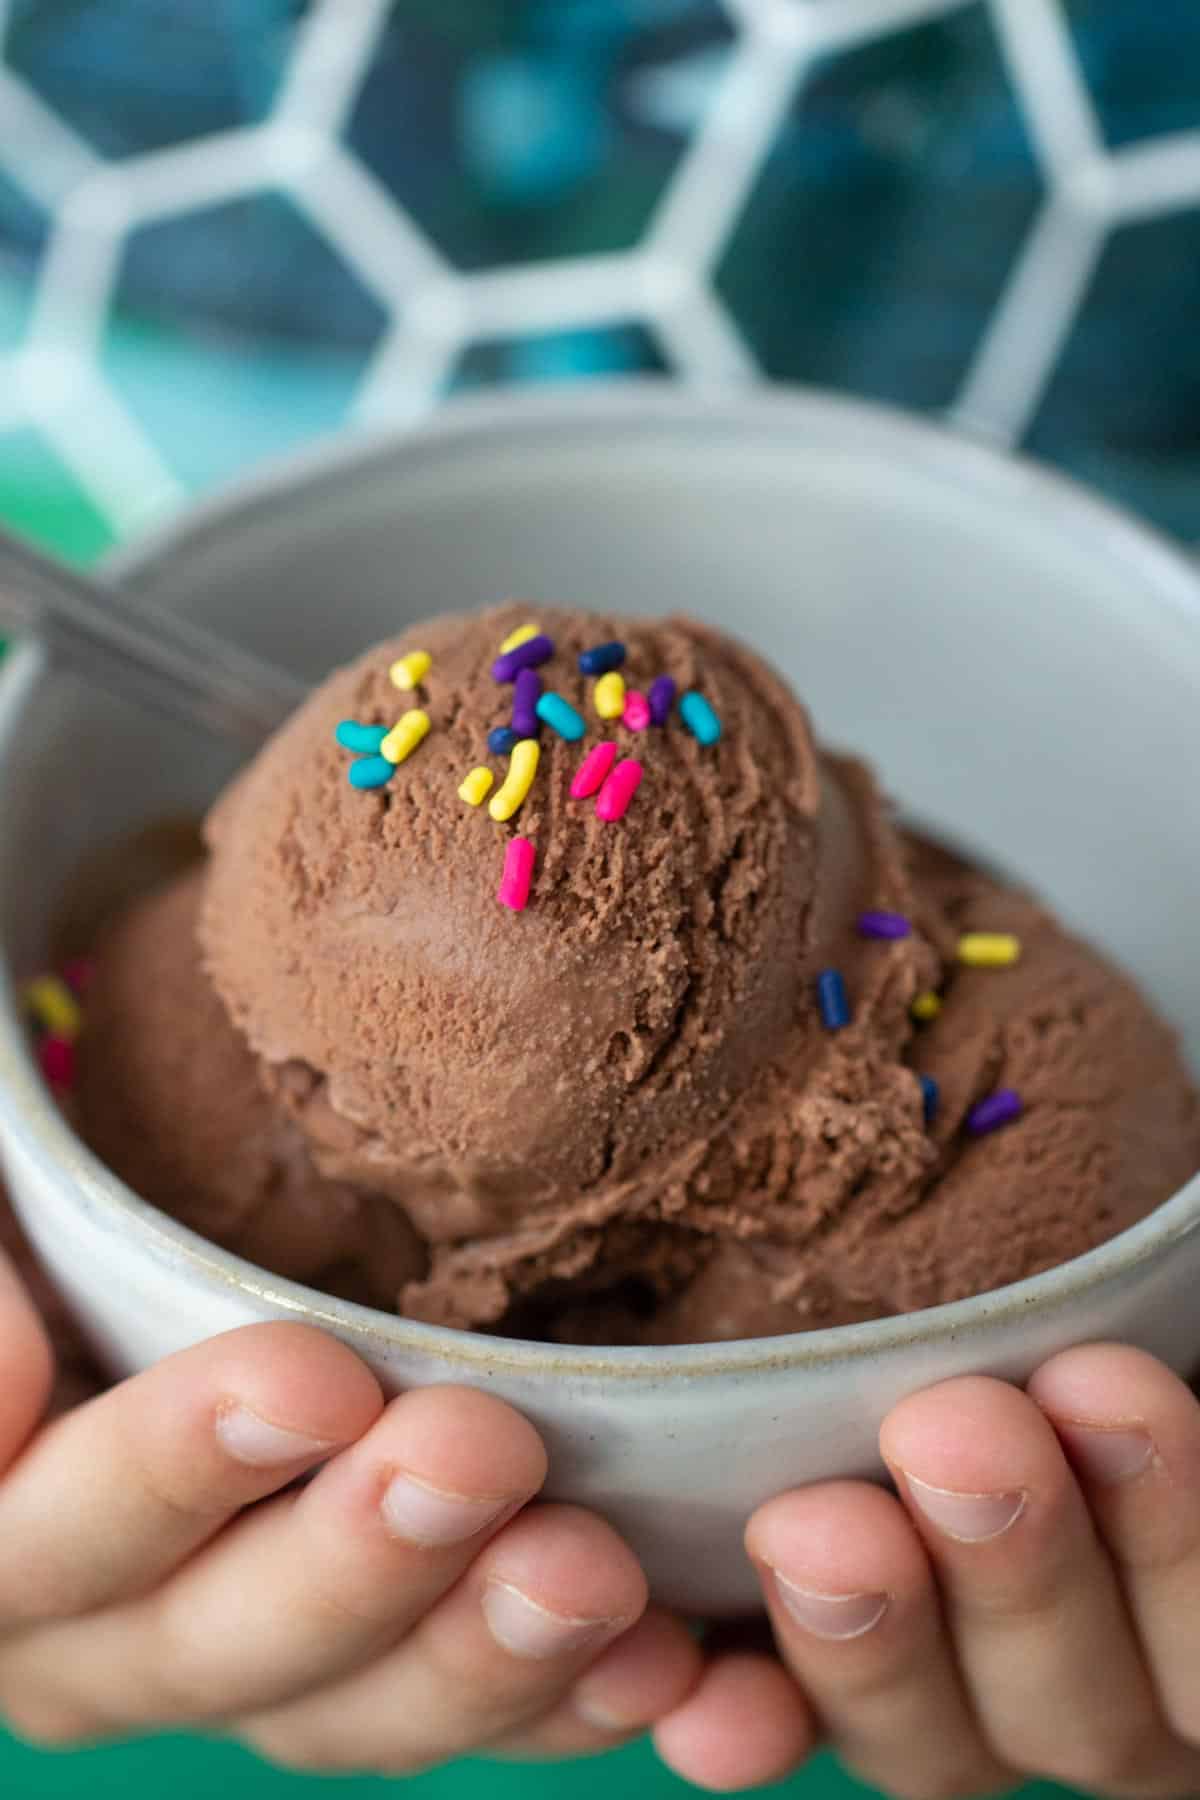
column 38, row 498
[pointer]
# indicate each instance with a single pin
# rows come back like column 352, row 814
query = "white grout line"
column 40, row 152
column 405, row 378
column 375, row 237
column 709, row 188
column 701, row 340
column 331, row 56
column 1159, row 176
column 1008, row 377
column 562, row 296
column 1037, row 46
column 102, row 445
column 189, row 177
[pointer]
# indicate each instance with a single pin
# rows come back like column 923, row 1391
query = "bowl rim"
column 29, row 1118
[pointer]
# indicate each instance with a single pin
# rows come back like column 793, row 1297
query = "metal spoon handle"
column 142, row 654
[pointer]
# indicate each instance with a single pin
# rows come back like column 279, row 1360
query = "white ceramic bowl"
column 1021, row 660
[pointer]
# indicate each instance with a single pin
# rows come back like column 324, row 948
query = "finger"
column 638, row 1680
column 1037, row 1618
column 858, row 1621
column 536, row 1608
column 1132, row 1432
column 111, row 1497
column 27, row 1361
column 310, row 1586
column 745, row 1723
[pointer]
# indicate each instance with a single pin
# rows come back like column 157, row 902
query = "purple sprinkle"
column 526, row 695
column 883, row 925
column 529, row 655
column 661, row 698
column 1000, row 1108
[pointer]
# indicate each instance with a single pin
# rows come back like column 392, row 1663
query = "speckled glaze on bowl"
column 1022, row 661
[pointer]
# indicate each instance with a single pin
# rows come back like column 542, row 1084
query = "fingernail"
column 521, row 1626
column 592, row 1710
column 1106, row 1457
column 972, row 1518
column 249, row 1439
column 427, row 1515
column 831, row 1616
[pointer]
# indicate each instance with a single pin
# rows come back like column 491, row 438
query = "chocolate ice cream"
column 676, row 1094
column 169, row 1096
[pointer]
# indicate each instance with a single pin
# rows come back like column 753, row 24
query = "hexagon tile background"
column 230, row 226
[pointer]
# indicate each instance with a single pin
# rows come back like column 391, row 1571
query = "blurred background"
column 231, row 228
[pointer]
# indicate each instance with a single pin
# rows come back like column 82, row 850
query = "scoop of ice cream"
column 626, row 1112
column 168, row 1095
column 487, row 1068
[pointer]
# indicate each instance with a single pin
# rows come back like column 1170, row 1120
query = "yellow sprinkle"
column 516, row 638
column 410, row 672
column 988, row 949
column 476, row 787
column 926, row 1006
column 609, row 695
column 405, row 735
column 54, row 1005
column 522, row 767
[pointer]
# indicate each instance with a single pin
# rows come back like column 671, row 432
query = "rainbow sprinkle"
column 57, row 1060
column 883, row 925
column 612, row 802
column 930, row 1097
column 476, row 786
column 832, row 1000
column 522, row 767
column 593, row 771
column 518, row 873
column 502, row 740
column 526, row 694
column 989, row 949
column 636, row 716
column 529, row 655
column 998, row 1109
column 371, row 772
column 926, row 1006
column 561, row 716
column 410, row 671
column 363, row 739
column 516, row 638
column 405, row 735
column 608, row 695
column 53, row 1006
column 601, row 658
column 662, row 699
column 700, row 718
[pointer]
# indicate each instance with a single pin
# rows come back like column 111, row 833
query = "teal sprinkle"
column 371, row 772
column 560, row 716
column 365, row 739
column 700, row 718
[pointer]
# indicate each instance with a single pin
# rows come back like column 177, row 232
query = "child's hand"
column 405, row 1606
column 1029, row 1607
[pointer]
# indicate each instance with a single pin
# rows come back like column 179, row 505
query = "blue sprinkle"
column 371, row 772
column 700, row 718
column 661, row 699
column 931, row 1094
column 831, row 998
column 601, row 658
column 502, row 740
column 560, row 716
column 362, row 738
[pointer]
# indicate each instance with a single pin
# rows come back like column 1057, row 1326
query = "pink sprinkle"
column 637, row 711
column 57, row 1057
column 592, row 770
column 78, row 974
column 518, row 873
column 614, row 797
